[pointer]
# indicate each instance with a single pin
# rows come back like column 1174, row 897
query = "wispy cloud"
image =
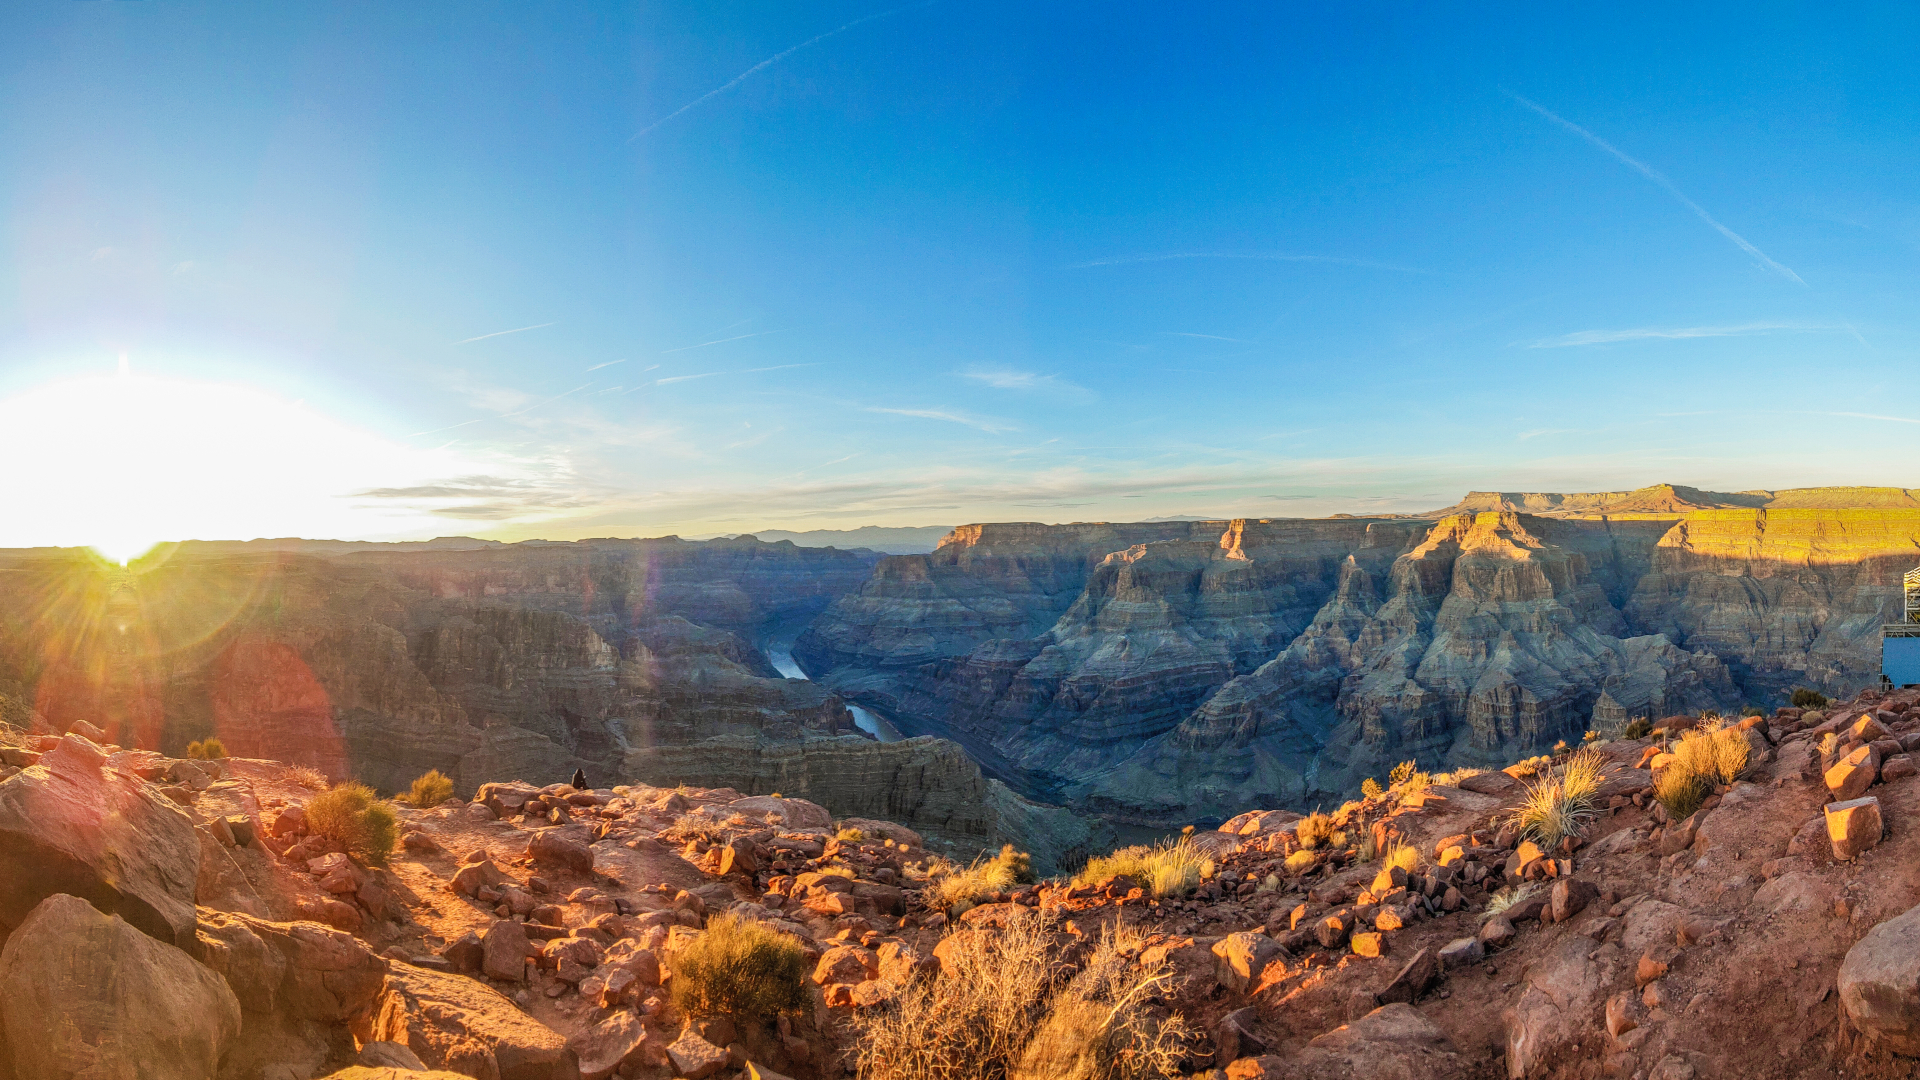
column 742, row 371
column 1875, row 416
column 1130, row 260
column 769, row 62
column 992, row 427
column 609, row 363
column 688, row 378
column 1003, row 378
column 1205, row 337
column 1675, row 333
column 505, row 415
column 503, row 333
column 1652, row 174
column 1537, row 432
column 723, row 341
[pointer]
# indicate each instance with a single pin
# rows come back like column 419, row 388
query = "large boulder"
column 1392, row 1042
column 303, row 969
column 85, row 994
column 73, row 825
column 1879, row 983
column 1564, row 992
column 453, row 1022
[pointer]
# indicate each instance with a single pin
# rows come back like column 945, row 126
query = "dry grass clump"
column 1405, row 856
column 849, row 836
column 1168, row 868
column 349, row 815
column 1510, row 897
column 696, row 824
column 1526, row 767
column 954, row 885
column 208, row 749
column 1701, row 761
column 1558, row 807
column 1457, row 775
column 1311, row 830
column 1002, row 1008
column 308, row 777
column 430, row 790
column 1401, row 773
column 740, row 969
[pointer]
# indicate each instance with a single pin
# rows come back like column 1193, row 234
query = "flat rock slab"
column 456, row 1023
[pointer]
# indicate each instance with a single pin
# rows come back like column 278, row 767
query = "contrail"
column 1129, row 260
column 772, row 60
column 1650, row 173
column 498, row 333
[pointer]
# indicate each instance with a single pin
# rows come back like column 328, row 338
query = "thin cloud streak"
column 1131, row 260
column 723, row 341
column 502, row 416
column 940, row 414
column 1608, row 337
column 769, row 62
column 609, row 363
column 503, row 333
column 1875, row 416
column 1650, row 173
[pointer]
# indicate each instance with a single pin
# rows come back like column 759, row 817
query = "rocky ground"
column 174, row 919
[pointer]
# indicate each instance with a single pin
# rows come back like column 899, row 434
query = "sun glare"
column 119, row 463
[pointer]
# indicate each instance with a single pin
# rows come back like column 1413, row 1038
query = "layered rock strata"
column 1166, row 671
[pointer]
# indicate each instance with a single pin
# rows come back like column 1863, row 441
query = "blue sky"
column 593, row 269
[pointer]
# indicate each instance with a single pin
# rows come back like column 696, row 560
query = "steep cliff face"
column 1197, row 674
column 483, row 663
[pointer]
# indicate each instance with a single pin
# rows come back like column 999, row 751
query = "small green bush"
column 349, row 815
column 1638, row 728
column 430, row 790
column 1808, row 698
column 208, row 749
column 740, row 969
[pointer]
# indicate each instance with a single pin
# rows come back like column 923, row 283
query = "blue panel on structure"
column 1900, row 660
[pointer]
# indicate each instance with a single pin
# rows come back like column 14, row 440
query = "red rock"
column 1856, row 770
column 1241, row 959
column 1854, row 826
column 1414, row 979
column 846, row 964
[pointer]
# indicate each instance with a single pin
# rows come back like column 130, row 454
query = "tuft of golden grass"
column 1510, row 897
column 1168, row 868
column 1702, row 760
column 1556, row 807
column 1312, row 830
column 308, row 777
column 208, row 749
column 1403, row 855
column 1370, row 788
column 953, row 884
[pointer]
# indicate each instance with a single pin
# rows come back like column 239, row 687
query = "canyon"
column 1059, row 686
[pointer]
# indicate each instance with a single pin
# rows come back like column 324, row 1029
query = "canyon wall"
column 1160, row 672
column 490, row 662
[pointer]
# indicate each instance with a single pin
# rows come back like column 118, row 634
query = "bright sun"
column 119, row 463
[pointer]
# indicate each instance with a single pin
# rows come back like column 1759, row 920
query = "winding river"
column 780, row 655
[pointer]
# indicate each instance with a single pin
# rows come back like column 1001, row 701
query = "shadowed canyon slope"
column 624, row 658
column 1156, row 672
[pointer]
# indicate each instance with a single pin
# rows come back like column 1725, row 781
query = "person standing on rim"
column 580, row 779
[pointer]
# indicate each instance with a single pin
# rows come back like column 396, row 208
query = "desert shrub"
column 1560, row 747
column 1415, row 784
column 740, row 969
column 697, row 825
column 1701, row 760
column 1557, row 807
column 1001, row 1007
column 208, row 749
column 1591, row 736
column 1311, row 830
column 1338, row 840
column 1168, row 868
column 1529, row 767
column 849, row 836
column 1301, row 861
column 1752, row 710
column 1808, row 698
column 1638, row 728
column 1404, row 856
column 953, row 884
column 1370, row 788
column 430, row 790
column 350, row 815
column 1401, row 773
column 1366, row 851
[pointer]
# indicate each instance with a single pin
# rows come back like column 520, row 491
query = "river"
column 780, row 654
